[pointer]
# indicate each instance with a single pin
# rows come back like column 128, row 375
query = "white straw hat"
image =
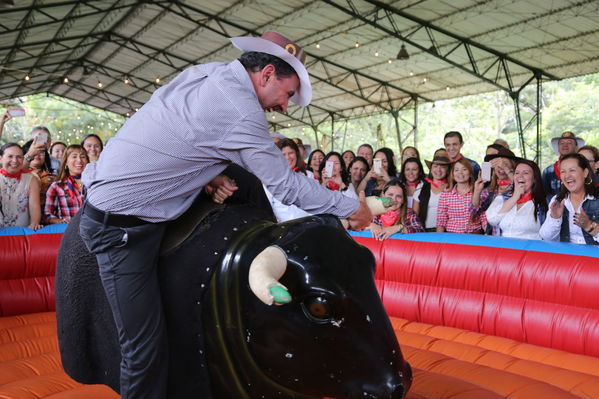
column 274, row 43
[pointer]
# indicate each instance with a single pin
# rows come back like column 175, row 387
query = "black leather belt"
column 111, row 219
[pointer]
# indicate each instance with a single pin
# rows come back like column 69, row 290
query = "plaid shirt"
column 62, row 202
column 453, row 213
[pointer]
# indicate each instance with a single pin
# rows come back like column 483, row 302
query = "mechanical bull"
column 333, row 339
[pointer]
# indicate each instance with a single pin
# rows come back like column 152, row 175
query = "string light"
column 126, row 80
column 157, row 80
column 376, row 53
column 128, row 114
column 447, row 88
column 357, row 44
column 27, row 78
column 65, row 80
column 100, row 84
column 273, row 117
column 289, row 125
column 136, row 109
column 424, row 80
column 389, row 61
column 317, row 44
column 411, row 73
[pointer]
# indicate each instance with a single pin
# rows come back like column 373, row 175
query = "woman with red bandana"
column 427, row 200
column 65, row 196
column 503, row 162
column 19, row 190
column 292, row 155
column 412, row 176
column 521, row 212
column 399, row 218
column 339, row 178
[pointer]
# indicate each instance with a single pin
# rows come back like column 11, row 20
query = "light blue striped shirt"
column 187, row 133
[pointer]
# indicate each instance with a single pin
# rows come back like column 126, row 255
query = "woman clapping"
column 520, row 213
column 574, row 211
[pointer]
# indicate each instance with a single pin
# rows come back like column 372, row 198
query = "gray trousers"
column 128, row 259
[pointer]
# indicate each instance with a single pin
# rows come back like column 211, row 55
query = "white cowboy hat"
column 566, row 135
column 274, row 43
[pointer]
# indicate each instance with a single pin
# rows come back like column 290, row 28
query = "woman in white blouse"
column 574, row 211
column 519, row 213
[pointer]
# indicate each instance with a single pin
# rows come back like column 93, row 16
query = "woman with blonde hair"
column 65, row 196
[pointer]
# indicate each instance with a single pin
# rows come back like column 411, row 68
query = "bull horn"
column 265, row 271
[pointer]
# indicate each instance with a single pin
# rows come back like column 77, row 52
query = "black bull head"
column 333, row 340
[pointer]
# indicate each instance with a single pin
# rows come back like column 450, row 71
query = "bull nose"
column 389, row 392
column 398, row 392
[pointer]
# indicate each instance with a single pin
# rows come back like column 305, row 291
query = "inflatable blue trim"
column 496, row 242
column 20, row 231
column 447, row 238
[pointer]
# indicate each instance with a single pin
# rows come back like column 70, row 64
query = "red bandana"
column 460, row 156
column 389, row 218
column 525, row 198
column 413, row 183
column 436, row 183
column 15, row 175
column 556, row 170
column 331, row 185
column 505, row 182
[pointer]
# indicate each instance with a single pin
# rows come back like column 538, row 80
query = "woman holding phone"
column 19, row 190
column 383, row 170
column 502, row 162
column 334, row 176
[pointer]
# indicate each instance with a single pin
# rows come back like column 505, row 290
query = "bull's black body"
column 253, row 350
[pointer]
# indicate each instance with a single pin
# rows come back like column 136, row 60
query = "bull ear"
column 265, row 271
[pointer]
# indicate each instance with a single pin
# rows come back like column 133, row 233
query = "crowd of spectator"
column 40, row 183
column 508, row 196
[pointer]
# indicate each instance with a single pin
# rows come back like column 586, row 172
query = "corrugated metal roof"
column 456, row 47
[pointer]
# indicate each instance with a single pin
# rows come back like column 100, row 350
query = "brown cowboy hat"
column 503, row 153
column 438, row 159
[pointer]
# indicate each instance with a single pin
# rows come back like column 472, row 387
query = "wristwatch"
column 28, row 158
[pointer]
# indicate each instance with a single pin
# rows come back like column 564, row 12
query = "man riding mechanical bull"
column 208, row 119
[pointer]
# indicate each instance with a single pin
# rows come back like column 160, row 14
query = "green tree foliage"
column 68, row 121
column 567, row 105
